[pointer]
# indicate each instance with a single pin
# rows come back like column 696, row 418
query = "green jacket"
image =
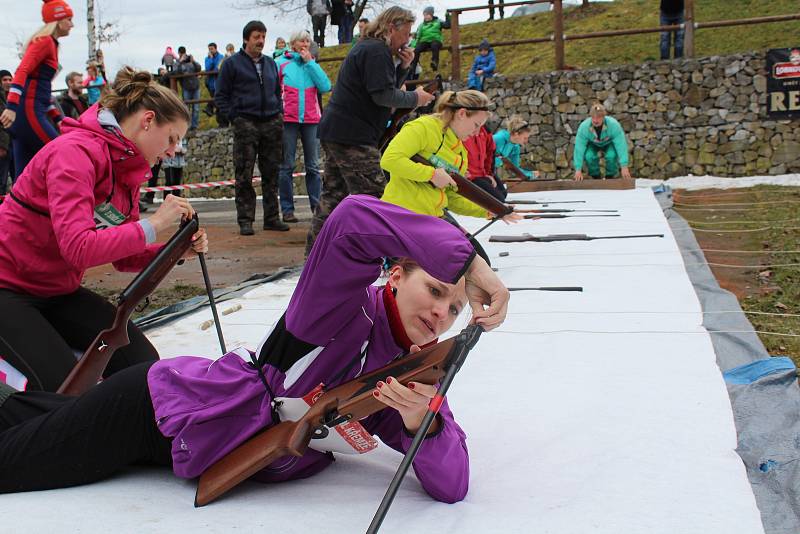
column 611, row 134
column 429, row 32
column 410, row 185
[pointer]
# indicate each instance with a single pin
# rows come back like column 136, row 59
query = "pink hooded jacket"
column 46, row 247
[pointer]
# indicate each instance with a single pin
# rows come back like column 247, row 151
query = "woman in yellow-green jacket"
column 438, row 138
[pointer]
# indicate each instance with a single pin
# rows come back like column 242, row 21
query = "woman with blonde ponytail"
column 75, row 206
column 439, row 139
column 31, row 112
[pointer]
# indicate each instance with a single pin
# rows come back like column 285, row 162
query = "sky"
column 148, row 26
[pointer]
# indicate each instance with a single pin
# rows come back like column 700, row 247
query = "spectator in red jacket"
column 480, row 148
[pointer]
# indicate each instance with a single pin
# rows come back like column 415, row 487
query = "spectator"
column 366, row 90
column 362, row 24
column 671, row 13
column 249, row 95
column 483, row 66
column 5, row 138
column 30, row 111
column 508, row 142
column 229, row 51
column 597, row 135
column 280, row 48
column 491, row 9
column 342, row 16
column 480, row 148
column 73, row 103
column 169, row 58
column 93, row 82
column 190, row 85
column 429, row 37
column 302, row 79
column 173, row 167
column 163, row 76
column 100, row 59
column 319, row 10
column 212, row 63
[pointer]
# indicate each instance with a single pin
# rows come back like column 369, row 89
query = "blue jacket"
column 241, row 92
column 485, row 63
column 504, row 147
column 212, row 63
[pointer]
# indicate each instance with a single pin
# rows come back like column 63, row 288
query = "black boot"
column 246, row 229
column 276, row 226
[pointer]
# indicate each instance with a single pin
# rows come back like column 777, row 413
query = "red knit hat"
column 55, row 10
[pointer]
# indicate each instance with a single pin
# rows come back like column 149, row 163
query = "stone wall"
column 691, row 116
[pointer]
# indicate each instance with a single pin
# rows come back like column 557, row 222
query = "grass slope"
column 622, row 14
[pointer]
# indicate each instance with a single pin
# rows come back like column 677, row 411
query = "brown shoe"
column 290, row 218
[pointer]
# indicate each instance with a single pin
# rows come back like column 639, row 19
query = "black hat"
column 4, row 72
column 484, row 45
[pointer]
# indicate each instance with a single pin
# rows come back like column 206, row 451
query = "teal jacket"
column 504, row 147
column 611, row 134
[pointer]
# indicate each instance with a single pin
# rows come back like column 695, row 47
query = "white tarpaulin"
column 602, row 411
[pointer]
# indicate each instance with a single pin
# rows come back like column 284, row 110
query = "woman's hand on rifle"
column 199, row 244
column 512, row 218
column 410, row 401
column 441, row 179
column 173, row 210
column 487, row 295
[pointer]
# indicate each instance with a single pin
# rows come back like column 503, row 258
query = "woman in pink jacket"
column 74, row 207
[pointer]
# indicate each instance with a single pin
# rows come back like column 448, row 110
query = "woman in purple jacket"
column 188, row 412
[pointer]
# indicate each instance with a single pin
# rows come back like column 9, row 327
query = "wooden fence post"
column 455, row 51
column 558, row 33
column 688, row 36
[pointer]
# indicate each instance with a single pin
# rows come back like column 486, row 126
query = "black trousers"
column 50, row 441
column 497, row 191
column 38, row 335
column 434, row 47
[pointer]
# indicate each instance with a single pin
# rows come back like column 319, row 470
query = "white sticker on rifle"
column 347, row 438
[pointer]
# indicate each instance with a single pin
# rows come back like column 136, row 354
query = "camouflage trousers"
column 263, row 140
column 349, row 170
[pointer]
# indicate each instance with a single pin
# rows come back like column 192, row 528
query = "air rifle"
column 90, row 367
column 563, row 216
column 561, row 237
column 352, row 400
column 536, row 202
column 562, row 211
column 519, row 173
column 431, row 87
column 471, row 191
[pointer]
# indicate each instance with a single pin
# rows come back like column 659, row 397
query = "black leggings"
column 50, row 441
column 497, row 191
column 38, row 335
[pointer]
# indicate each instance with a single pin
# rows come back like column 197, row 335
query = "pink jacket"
column 46, row 247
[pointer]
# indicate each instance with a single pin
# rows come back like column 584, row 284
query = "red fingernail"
column 375, row 393
column 389, row 380
column 380, row 385
column 411, row 385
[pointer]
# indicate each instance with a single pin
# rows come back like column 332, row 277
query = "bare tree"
column 99, row 32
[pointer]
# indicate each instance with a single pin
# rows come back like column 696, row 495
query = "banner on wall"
column 783, row 83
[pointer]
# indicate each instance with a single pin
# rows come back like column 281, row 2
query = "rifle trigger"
column 331, row 420
column 143, row 306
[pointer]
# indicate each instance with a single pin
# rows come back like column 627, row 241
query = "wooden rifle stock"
column 516, row 171
column 88, row 370
column 352, row 400
column 431, row 87
column 560, row 237
column 471, row 191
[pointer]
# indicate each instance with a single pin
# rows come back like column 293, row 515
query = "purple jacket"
column 335, row 314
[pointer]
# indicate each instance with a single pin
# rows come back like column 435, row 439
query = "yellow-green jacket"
column 410, row 185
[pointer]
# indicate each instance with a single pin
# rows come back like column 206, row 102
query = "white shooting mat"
column 597, row 430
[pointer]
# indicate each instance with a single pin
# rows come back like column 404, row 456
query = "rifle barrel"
column 564, row 288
